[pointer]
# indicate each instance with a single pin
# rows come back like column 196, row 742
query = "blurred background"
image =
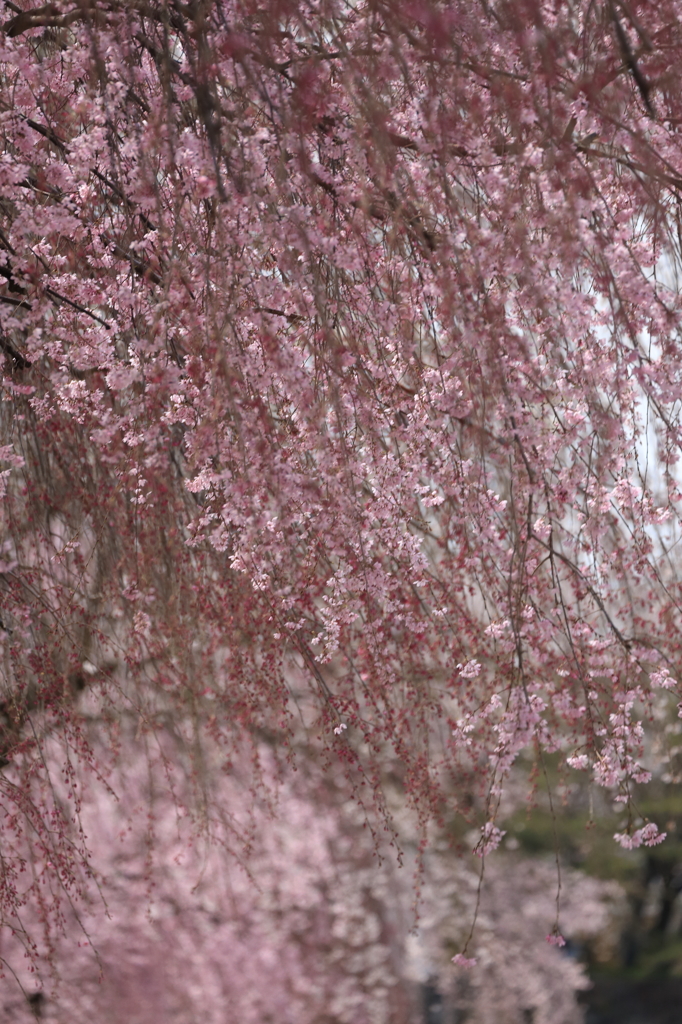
column 280, row 901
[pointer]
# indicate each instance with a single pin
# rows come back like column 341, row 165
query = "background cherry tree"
column 340, row 400
column 273, row 907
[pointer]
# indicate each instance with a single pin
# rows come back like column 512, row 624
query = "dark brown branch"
column 631, row 62
column 20, row 362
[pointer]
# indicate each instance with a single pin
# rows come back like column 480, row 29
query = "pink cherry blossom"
column 341, row 355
